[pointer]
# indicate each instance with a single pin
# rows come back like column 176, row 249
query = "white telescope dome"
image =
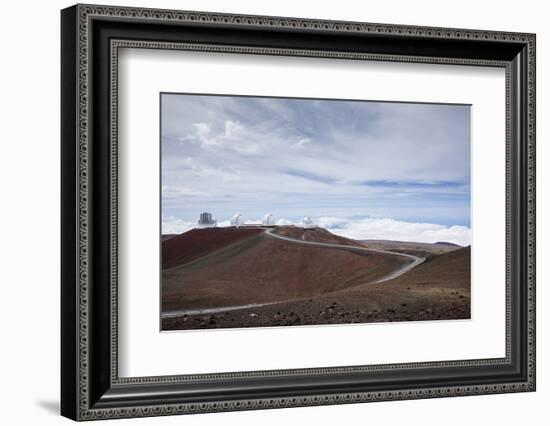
column 237, row 220
column 307, row 222
column 267, row 219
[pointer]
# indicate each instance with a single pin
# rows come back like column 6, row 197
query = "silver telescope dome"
column 268, row 219
column 237, row 220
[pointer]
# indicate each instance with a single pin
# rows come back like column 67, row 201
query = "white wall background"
column 29, row 225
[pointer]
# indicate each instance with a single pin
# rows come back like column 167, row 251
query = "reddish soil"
column 191, row 245
column 438, row 289
column 425, row 250
column 262, row 269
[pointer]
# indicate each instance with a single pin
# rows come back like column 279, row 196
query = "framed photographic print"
column 263, row 212
column 333, row 171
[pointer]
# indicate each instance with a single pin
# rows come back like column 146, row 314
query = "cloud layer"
column 360, row 229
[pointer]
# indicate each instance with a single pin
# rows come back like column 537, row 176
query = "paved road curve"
column 415, row 259
column 415, row 262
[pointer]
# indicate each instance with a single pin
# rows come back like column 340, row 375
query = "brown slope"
column 191, row 245
column 262, row 269
column 436, row 290
column 426, row 250
column 448, row 270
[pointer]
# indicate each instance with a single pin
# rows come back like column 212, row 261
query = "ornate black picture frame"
column 91, row 387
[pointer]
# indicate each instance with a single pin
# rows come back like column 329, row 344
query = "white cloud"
column 173, row 225
column 203, row 131
column 193, row 168
column 360, row 229
column 180, row 191
column 390, row 229
column 232, row 128
column 283, row 221
column 302, row 143
column 332, row 222
column 225, row 176
column 233, row 137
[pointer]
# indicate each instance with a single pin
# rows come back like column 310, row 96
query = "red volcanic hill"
column 193, row 244
column 217, row 267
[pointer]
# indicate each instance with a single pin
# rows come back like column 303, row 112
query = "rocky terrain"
column 279, row 283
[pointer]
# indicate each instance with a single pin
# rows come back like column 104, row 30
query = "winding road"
column 415, row 259
column 269, row 232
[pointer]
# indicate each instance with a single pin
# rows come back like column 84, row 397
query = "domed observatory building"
column 268, row 220
column 206, row 221
column 308, row 223
column 237, row 220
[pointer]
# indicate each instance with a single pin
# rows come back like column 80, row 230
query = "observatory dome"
column 237, row 220
column 268, row 220
column 206, row 220
column 308, row 223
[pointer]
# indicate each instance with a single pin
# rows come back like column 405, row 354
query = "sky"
column 361, row 169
